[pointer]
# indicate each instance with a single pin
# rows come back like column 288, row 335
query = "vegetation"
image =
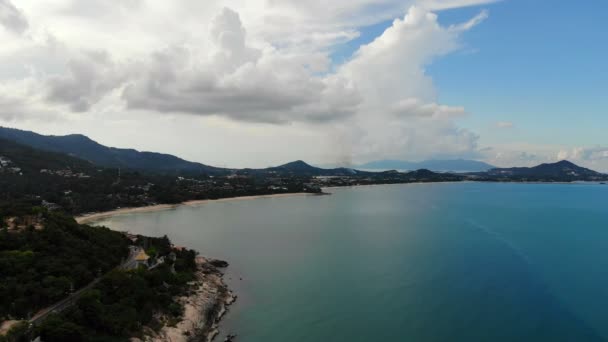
column 109, row 157
column 125, row 301
column 46, row 256
column 76, row 186
column 42, row 266
column 45, row 261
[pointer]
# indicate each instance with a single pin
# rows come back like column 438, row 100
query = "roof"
column 142, row 256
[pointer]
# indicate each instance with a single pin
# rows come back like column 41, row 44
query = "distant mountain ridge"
column 563, row 170
column 89, row 151
column 455, row 165
column 302, row 168
column 83, row 147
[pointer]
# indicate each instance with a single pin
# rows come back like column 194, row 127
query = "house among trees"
column 142, row 259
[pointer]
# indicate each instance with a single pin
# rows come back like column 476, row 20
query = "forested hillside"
column 45, row 256
column 84, row 148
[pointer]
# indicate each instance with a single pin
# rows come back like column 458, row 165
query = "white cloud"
column 262, row 62
column 12, row 18
column 20, row 102
column 437, row 5
column 399, row 116
column 88, row 78
column 526, row 154
column 413, row 107
column 231, row 78
column 598, row 154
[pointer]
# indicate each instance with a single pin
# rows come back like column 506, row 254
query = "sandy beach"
column 93, row 217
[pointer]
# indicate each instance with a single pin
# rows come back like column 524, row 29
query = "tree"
column 57, row 329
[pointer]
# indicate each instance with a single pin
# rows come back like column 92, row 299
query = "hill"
column 40, row 266
column 61, row 182
column 19, row 158
column 75, row 185
column 301, row 168
column 454, row 165
column 80, row 146
column 63, row 281
column 559, row 171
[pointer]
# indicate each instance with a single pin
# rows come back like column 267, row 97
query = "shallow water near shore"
column 418, row 262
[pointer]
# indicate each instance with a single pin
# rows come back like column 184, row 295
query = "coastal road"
column 71, row 299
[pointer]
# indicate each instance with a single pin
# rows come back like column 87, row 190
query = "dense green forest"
column 41, row 266
column 83, row 147
column 125, row 301
column 45, row 261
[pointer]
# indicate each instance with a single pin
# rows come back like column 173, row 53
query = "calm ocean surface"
column 419, row 262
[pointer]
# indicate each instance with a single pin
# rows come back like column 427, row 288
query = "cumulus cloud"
column 377, row 92
column 262, row 63
column 12, row 18
column 15, row 109
column 11, row 109
column 399, row 113
column 588, row 154
column 88, row 78
column 233, row 79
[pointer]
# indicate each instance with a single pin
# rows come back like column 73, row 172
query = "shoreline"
column 465, row 181
column 210, row 299
column 93, row 217
column 98, row 216
column 204, row 307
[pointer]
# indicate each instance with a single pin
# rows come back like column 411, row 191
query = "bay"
column 416, row 262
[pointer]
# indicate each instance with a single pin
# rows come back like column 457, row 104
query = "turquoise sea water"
column 419, row 262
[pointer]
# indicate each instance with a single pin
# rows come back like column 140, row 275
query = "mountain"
column 301, row 168
column 562, row 170
column 28, row 160
column 84, row 148
column 458, row 165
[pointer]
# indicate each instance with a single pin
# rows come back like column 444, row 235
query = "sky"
column 242, row 83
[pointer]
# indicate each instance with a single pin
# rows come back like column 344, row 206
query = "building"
column 142, row 259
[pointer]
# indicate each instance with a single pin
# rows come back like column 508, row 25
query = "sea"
column 413, row 262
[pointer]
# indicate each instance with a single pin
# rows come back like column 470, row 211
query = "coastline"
column 210, row 297
column 93, row 217
column 97, row 216
column 204, row 307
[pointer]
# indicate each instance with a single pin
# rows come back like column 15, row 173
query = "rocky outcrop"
column 218, row 263
column 203, row 308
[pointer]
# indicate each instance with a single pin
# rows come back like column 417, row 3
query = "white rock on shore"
column 202, row 310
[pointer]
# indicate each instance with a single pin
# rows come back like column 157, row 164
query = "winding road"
column 71, row 299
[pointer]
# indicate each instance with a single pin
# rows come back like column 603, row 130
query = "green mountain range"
column 81, row 146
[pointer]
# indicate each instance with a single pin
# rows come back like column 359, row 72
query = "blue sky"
column 539, row 64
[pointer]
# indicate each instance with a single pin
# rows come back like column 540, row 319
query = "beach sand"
column 93, row 217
